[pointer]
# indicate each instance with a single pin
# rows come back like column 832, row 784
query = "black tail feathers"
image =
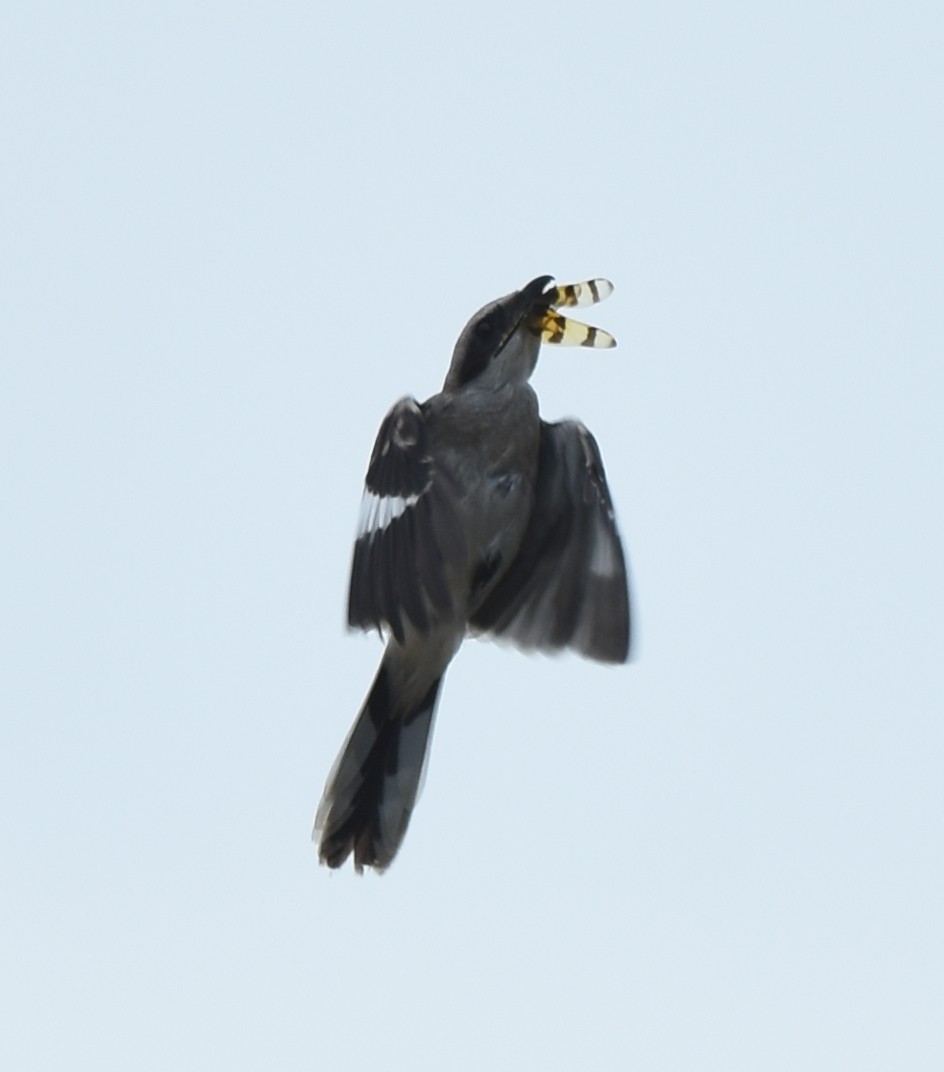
column 372, row 788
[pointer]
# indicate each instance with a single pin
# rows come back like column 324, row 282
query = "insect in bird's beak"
column 558, row 330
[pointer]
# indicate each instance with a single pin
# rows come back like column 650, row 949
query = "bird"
column 478, row 518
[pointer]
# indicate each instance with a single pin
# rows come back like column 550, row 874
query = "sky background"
column 232, row 236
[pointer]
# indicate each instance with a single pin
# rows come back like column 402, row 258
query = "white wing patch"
column 378, row 511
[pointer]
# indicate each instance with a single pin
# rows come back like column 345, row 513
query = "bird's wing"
column 567, row 587
column 408, row 530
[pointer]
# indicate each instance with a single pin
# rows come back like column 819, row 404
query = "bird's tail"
column 372, row 788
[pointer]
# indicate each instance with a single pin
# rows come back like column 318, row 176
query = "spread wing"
column 408, row 530
column 567, row 587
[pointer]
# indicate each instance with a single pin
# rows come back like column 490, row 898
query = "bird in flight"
column 478, row 518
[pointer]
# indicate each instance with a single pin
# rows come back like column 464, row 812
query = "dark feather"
column 567, row 586
column 372, row 789
column 398, row 571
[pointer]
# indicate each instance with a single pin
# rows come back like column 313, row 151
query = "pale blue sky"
column 232, row 237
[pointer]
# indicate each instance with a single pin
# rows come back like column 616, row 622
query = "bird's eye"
column 485, row 328
column 482, row 340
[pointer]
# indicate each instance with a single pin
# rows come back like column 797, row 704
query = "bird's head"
column 500, row 344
